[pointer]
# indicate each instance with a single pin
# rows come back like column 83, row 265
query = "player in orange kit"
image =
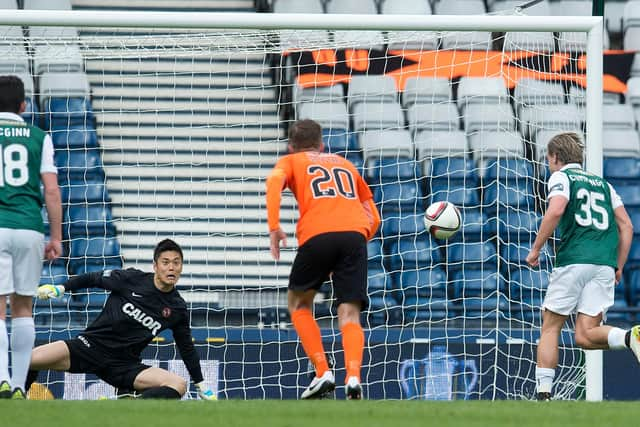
column 337, row 217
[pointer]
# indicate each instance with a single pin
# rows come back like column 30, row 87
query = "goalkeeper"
column 140, row 306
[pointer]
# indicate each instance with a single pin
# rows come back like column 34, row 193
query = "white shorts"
column 21, row 253
column 585, row 288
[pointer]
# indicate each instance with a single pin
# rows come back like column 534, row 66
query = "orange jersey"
column 331, row 195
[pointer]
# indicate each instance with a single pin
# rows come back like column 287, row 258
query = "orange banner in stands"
column 329, row 67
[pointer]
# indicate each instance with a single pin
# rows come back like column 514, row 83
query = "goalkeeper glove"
column 50, row 291
column 205, row 394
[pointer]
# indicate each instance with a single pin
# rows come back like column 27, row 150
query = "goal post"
column 189, row 121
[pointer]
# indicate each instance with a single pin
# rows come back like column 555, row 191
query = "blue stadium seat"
column 460, row 170
column 518, row 194
column 634, row 255
column 477, row 308
column 94, row 251
column 516, row 225
column 620, row 302
column 79, row 165
column 74, row 138
column 471, row 255
column 405, row 196
column 391, row 169
column 377, row 281
column 63, row 113
column 374, row 251
column 427, row 309
column 630, row 195
column 621, row 170
column 477, row 283
column 635, row 220
column 425, row 282
column 513, row 255
column 456, row 194
column 53, row 274
column 402, row 226
column 508, row 169
column 526, row 284
column 413, row 253
column 475, row 226
column 87, row 192
column 88, row 221
column 337, row 141
column 634, row 287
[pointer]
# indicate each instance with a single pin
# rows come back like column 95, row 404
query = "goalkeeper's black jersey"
column 136, row 312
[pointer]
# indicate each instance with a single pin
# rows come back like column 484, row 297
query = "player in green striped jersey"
column 595, row 236
column 26, row 162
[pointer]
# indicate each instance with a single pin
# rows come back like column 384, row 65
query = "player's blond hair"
column 305, row 135
column 568, row 147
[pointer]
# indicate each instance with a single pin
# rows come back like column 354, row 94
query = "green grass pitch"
column 325, row 413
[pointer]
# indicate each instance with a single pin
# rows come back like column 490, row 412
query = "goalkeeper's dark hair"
column 11, row 94
column 568, row 147
column 164, row 246
column 305, row 135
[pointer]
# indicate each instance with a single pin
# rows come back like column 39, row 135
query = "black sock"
column 627, row 339
column 31, row 378
column 160, row 393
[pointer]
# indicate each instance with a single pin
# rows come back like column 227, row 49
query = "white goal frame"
column 593, row 26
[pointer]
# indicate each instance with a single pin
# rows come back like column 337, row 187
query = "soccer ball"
column 442, row 220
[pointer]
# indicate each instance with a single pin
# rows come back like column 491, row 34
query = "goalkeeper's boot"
column 18, row 394
column 544, row 397
column 353, row 389
column 320, row 387
column 634, row 341
column 5, row 390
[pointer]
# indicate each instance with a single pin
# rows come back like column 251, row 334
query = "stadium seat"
column 515, row 225
column 552, row 117
column 516, row 194
column 374, row 252
column 470, row 283
column 396, row 226
column 471, row 255
column 631, row 15
column 399, row 196
column 334, row 93
column 575, row 41
column 386, row 143
column 413, row 254
column 94, row 251
column 472, row 40
column 63, row 113
column 295, row 6
column 621, row 170
column 433, row 117
column 431, row 144
column 634, row 214
column 358, row 7
column 621, row 143
column 578, row 96
column 337, row 141
column 356, row 39
column 542, row 138
column 493, row 144
column 428, row 40
column 74, row 138
column 84, row 192
column 47, row 4
column 476, row 226
column 634, row 287
column 537, row 92
column 297, row 39
column 633, row 91
column 513, row 255
column 633, row 261
column 429, row 310
column 78, row 165
column 377, row 116
column 63, row 85
column 63, row 58
column 527, row 284
column 482, row 90
column 13, row 59
column 483, row 308
column 371, row 89
column 630, row 195
column 53, row 274
column 478, row 118
column 81, row 221
column 8, row 4
column 390, row 169
column 30, row 114
column 461, row 196
column 331, row 115
column 423, row 90
column 508, row 168
column 618, row 116
column 456, row 170
column 423, row 281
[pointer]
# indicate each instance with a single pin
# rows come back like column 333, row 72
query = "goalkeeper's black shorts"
column 86, row 358
column 343, row 255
